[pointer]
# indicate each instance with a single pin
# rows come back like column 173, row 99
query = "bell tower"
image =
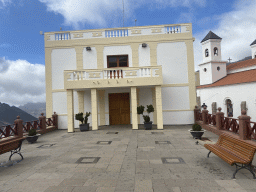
column 253, row 48
column 212, row 69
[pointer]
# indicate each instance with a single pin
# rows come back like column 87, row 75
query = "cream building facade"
column 109, row 72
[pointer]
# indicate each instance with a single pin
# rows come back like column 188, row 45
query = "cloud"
column 3, row 3
column 104, row 12
column 21, row 82
column 237, row 30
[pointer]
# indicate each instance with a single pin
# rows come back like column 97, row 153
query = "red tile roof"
column 241, row 64
column 234, row 78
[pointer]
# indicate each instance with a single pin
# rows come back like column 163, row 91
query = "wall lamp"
column 144, row 45
column 88, row 49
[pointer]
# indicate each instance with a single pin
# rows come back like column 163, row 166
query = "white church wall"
column 206, row 45
column 173, row 58
column 242, row 69
column 117, row 50
column 205, row 76
column 215, row 43
column 62, row 59
column 218, row 74
column 236, row 93
column 144, row 56
column 253, row 49
column 90, row 58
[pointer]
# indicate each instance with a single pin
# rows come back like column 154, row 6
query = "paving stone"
column 73, row 182
column 59, row 189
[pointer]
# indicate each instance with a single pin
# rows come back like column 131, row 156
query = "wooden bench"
column 233, row 151
column 12, row 145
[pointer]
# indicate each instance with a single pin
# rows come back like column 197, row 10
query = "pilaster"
column 134, row 108
column 191, row 74
column 70, row 110
column 80, row 101
column 159, row 108
column 153, row 53
column 154, row 105
column 79, row 57
column 102, row 106
column 100, row 61
column 138, row 101
column 48, row 81
column 135, row 54
column 94, row 109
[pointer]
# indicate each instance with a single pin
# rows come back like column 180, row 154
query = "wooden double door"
column 119, row 108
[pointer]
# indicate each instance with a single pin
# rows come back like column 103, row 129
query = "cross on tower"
column 229, row 59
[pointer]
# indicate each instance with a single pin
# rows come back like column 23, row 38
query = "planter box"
column 197, row 134
column 148, row 125
column 32, row 139
column 84, row 127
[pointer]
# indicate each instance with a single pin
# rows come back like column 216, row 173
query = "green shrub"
column 32, row 132
column 140, row 109
column 196, row 127
column 86, row 117
column 146, row 118
column 80, row 117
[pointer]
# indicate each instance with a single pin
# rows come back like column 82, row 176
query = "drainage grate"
column 46, row 145
column 88, row 160
column 162, row 142
column 172, row 160
column 157, row 133
column 112, row 132
column 104, row 142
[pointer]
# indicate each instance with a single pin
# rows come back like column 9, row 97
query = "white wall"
column 87, row 105
column 62, row 59
column 236, row 93
column 117, row 50
column 173, row 58
column 62, row 122
column 90, row 58
column 205, row 77
column 217, row 75
column 59, row 102
column 175, row 98
column 178, row 117
column 144, row 56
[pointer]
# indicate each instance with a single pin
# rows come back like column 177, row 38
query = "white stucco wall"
column 59, row 102
column 236, row 93
column 216, row 75
column 205, row 77
column 175, row 98
column 62, row 59
column 178, row 117
column 62, row 122
column 117, row 50
column 173, row 58
column 90, row 58
column 144, row 56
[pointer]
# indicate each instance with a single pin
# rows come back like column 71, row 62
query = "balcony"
column 113, row 77
column 119, row 32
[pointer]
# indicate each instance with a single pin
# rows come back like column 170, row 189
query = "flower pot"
column 84, row 127
column 197, row 134
column 32, row 139
column 148, row 125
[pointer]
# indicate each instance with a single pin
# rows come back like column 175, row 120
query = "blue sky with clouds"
column 22, row 47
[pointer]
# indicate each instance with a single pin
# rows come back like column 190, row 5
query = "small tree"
column 86, row 117
column 140, row 110
column 196, row 127
column 80, row 117
column 32, row 132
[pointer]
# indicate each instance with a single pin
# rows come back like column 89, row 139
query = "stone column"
column 196, row 111
column 55, row 117
column 159, row 109
column 154, row 105
column 102, row 106
column 19, row 124
column 70, row 110
column 214, row 107
column 48, row 80
column 138, row 101
column 204, row 115
column 80, row 95
column 219, row 116
column 243, row 130
column 134, row 108
column 42, row 120
column 94, row 109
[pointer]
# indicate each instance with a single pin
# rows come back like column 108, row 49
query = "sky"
column 22, row 63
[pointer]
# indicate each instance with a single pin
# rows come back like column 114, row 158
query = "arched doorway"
column 229, row 108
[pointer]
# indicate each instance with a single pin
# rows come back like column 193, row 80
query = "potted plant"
column 196, row 131
column 32, row 136
column 147, row 122
column 84, row 126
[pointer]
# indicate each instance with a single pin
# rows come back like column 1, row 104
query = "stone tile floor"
column 133, row 161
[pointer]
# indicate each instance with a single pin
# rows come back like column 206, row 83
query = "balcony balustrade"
column 113, row 77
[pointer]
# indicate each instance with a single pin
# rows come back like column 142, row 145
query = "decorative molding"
column 47, row 37
column 189, row 28
column 130, row 73
column 78, row 35
column 97, row 34
column 135, row 31
column 157, row 72
column 94, row 75
column 157, row 30
column 58, row 90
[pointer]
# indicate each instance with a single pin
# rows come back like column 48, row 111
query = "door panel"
column 119, row 108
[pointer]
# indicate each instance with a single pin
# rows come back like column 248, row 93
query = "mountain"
column 9, row 114
column 34, row 109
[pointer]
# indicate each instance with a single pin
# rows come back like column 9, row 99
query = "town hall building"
column 110, row 72
column 229, row 86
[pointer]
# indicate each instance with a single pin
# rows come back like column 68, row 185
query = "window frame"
column 117, row 60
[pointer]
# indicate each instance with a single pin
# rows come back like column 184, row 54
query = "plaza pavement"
column 132, row 161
